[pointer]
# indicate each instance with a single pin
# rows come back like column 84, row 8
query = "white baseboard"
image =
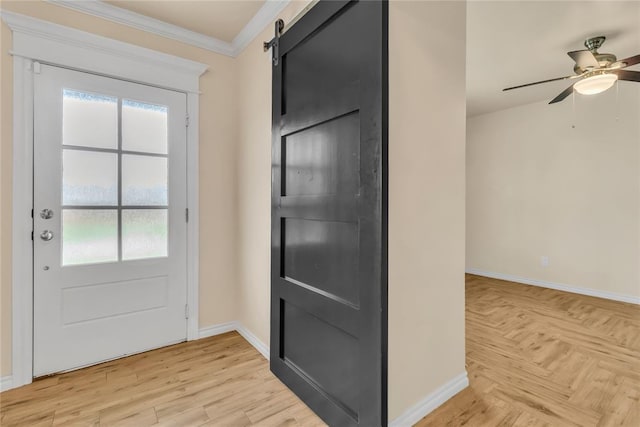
column 557, row 286
column 220, row 328
column 6, row 383
column 431, row 401
column 253, row 340
column 235, row 325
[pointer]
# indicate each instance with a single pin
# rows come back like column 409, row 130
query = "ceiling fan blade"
column 542, row 81
column 630, row 76
column 584, row 59
column 568, row 91
column 628, row 62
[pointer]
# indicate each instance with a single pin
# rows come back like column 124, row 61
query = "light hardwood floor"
column 539, row 357
column 218, row 381
column 535, row 357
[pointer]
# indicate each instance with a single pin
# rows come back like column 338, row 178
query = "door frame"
column 35, row 41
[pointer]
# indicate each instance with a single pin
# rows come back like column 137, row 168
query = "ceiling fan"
column 596, row 72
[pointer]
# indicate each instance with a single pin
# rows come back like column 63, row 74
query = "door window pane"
column 144, row 233
column 89, row 236
column 144, row 127
column 89, row 178
column 89, row 120
column 144, row 180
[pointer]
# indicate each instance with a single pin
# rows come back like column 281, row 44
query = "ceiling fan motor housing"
column 604, row 59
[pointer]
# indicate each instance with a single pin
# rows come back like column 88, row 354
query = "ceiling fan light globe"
column 595, row 84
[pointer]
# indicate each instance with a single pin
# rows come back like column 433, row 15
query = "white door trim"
column 37, row 40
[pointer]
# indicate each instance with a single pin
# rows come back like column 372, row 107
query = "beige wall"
column 218, row 132
column 426, row 198
column 538, row 187
column 254, row 180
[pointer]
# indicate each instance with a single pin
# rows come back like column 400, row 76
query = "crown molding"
column 263, row 17
column 141, row 22
column 47, row 42
column 267, row 13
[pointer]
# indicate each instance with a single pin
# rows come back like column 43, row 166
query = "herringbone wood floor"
column 535, row 357
column 539, row 357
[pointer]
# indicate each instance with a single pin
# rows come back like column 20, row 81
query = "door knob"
column 46, row 214
column 46, row 235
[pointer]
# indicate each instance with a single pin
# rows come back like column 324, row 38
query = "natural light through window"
column 115, row 179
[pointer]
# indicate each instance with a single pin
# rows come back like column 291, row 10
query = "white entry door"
column 109, row 219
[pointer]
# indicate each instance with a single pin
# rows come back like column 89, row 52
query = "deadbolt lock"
column 46, row 214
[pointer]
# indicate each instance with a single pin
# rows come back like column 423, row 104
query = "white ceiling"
column 222, row 19
column 517, row 42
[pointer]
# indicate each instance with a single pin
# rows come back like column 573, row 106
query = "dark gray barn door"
column 329, row 262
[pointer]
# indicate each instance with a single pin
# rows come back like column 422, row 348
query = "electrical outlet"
column 544, row 261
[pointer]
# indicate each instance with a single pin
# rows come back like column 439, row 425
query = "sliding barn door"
column 328, row 262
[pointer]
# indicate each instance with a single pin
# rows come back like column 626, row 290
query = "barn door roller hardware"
column 275, row 41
